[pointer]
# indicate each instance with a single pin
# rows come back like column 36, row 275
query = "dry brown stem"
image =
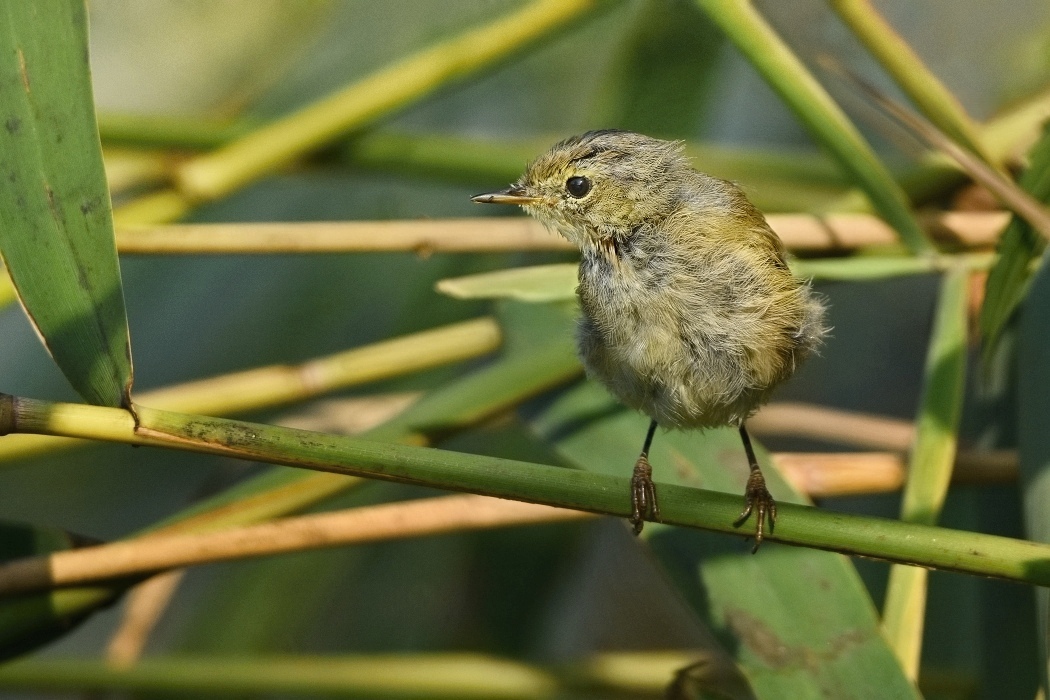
column 800, row 232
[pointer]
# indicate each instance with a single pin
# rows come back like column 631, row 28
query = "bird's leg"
column 756, row 496
column 643, row 491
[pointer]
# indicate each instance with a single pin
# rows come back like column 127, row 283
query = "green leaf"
column 537, row 283
column 799, row 622
column 1019, row 245
column 56, row 226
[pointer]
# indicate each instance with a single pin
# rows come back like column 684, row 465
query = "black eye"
column 578, row 186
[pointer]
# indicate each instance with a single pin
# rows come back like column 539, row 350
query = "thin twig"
column 143, row 608
column 833, row 425
column 354, row 526
column 1007, row 192
column 826, row 474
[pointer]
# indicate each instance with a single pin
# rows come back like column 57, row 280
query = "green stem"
column 634, row 674
column 151, row 131
column 790, row 78
column 270, row 147
column 906, row 543
column 931, row 461
column 430, row 676
column 909, row 72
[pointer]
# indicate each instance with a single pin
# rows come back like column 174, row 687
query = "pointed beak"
column 512, row 195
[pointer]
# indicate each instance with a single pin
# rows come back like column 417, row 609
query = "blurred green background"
column 545, row 594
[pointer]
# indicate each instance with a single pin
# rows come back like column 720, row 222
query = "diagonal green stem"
column 790, row 78
column 894, row 541
column 909, row 72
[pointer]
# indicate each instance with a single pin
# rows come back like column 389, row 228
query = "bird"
column 690, row 313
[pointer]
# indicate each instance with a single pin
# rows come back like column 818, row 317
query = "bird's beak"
column 512, row 195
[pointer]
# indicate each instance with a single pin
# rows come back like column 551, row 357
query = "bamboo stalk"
column 819, row 474
column 1003, row 188
column 163, row 131
column 895, row 541
column 421, row 237
column 800, row 232
column 127, row 169
column 824, row 474
column 155, row 207
column 495, row 388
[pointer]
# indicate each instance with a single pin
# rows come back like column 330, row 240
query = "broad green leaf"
column 1019, row 245
column 1033, row 408
column 931, row 461
column 56, row 227
column 799, row 622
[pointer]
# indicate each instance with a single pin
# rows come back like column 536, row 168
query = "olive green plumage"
column 690, row 313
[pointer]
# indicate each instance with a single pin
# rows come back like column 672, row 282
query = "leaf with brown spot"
column 798, row 622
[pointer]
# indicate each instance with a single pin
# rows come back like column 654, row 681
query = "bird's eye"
column 578, row 186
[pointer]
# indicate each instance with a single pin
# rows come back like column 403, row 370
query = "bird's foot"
column 758, row 498
column 643, row 495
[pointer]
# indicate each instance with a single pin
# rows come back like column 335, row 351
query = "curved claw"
column 643, row 495
column 758, row 499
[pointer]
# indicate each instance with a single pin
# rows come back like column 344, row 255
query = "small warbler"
column 690, row 313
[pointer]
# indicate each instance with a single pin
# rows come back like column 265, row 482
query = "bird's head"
column 599, row 186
